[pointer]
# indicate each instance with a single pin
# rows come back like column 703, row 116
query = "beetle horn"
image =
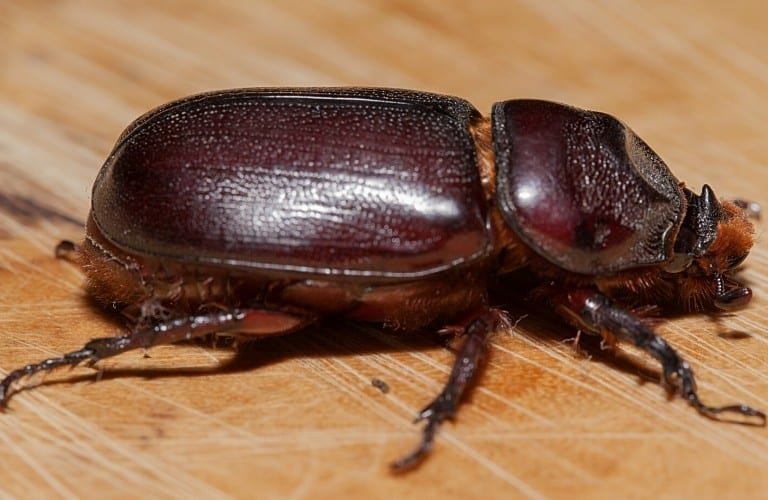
column 708, row 215
column 708, row 201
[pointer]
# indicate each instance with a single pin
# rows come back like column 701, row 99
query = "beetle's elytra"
column 260, row 211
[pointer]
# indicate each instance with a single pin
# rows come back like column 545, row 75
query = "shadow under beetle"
column 257, row 212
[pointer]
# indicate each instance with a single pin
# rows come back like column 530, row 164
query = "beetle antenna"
column 728, row 300
column 719, row 286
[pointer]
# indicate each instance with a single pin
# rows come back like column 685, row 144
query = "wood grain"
column 297, row 416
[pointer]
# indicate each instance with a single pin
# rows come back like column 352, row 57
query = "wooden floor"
column 298, row 417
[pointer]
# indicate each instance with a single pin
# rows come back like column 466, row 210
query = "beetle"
column 255, row 212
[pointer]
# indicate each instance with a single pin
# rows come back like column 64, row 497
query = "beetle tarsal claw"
column 415, row 457
column 752, row 416
column 688, row 391
column 72, row 359
column 442, row 408
column 760, row 419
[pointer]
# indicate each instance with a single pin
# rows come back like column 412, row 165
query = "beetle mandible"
column 257, row 212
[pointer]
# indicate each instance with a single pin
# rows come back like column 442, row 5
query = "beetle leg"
column 751, row 208
column 469, row 359
column 67, row 250
column 599, row 314
column 249, row 322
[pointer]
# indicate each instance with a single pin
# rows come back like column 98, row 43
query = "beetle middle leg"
column 477, row 330
column 598, row 314
column 248, row 322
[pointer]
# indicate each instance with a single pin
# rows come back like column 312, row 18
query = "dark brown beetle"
column 257, row 212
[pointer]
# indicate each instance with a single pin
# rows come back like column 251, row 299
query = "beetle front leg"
column 477, row 331
column 249, row 322
column 599, row 314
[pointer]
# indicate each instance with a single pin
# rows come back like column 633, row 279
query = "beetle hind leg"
column 247, row 322
column 477, row 330
column 599, row 314
column 67, row 250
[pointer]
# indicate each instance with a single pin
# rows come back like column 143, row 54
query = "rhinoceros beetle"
column 257, row 212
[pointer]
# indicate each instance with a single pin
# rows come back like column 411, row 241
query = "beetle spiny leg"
column 415, row 457
column 688, row 391
column 751, row 208
column 71, row 359
column 100, row 348
column 444, row 406
column 165, row 332
column 601, row 313
column 67, row 250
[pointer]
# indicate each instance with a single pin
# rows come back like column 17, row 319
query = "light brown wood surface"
column 297, row 417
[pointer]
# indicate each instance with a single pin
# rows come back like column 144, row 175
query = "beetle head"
column 713, row 241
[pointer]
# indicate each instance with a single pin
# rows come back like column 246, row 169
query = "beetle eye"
column 679, row 263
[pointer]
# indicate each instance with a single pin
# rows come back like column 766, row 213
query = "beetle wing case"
column 582, row 190
column 354, row 182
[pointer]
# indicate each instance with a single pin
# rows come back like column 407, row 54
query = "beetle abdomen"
column 328, row 181
column 582, row 190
